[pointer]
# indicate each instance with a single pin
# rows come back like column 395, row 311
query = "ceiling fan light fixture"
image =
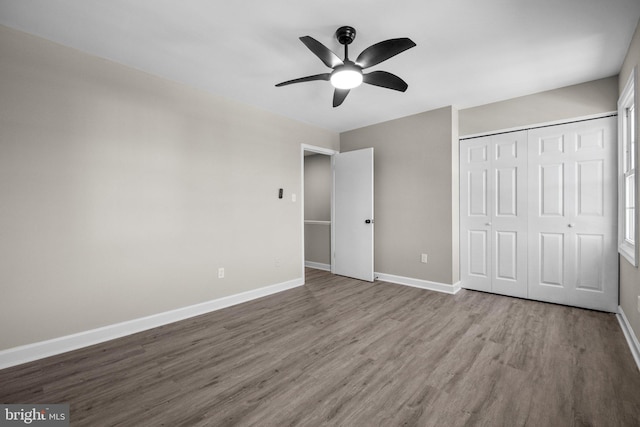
column 346, row 78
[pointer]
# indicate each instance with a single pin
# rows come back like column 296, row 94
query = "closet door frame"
column 610, row 273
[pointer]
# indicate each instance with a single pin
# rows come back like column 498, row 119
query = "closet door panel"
column 550, row 211
column 478, row 265
column 590, row 259
column 506, row 192
column 506, row 245
column 590, row 188
column 509, row 221
column 595, row 222
column 493, row 214
column 551, row 259
column 572, row 253
column 475, row 214
column 550, row 190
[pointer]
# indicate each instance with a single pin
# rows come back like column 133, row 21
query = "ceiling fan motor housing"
column 345, row 35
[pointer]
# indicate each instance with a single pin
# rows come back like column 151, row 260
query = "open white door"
column 353, row 214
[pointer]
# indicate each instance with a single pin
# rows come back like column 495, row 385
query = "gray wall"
column 560, row 104
column 317, row 243
column 317, row 206
column 317, row 187
column 122, row 193
column 629, row 275
column 416, row 193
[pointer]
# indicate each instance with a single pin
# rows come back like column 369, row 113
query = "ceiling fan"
column 348, row 74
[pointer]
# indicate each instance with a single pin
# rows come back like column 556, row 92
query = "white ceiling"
column 469, row 52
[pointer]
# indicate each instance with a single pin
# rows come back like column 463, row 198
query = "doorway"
column 317, row 210
column 317, row 194
column 337, row 211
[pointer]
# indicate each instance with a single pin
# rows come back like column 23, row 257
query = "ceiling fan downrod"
column 345, row 36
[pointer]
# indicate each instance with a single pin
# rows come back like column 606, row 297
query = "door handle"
column 570, row 225
column 368, row 221
column 488, row 224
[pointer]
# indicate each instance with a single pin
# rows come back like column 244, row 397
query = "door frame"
column 327, row 152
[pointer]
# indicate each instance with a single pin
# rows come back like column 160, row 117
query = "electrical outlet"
column 424, row 258
column 221, row 273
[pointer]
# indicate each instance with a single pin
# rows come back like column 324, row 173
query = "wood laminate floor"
column 343, row 352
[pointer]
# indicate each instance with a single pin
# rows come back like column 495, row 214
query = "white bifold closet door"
column 572, row 230
column 493, row 220
column 538, row 214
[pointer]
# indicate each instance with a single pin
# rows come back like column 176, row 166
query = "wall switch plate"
column 293, row 197
column 424, row 258
column 638, row 304
column 221, row 273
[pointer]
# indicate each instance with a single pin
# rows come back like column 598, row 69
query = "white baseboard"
column 317, row 265
column 419, row 283
column 28, row 353
column 634, row 345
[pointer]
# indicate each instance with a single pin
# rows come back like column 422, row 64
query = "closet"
column 318, row 182
column 538, row 214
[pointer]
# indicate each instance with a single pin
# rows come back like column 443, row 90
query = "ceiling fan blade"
column 325, row 76
column 329, row 58
column 339, row 95
column 382, row 51
column 386, row 80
